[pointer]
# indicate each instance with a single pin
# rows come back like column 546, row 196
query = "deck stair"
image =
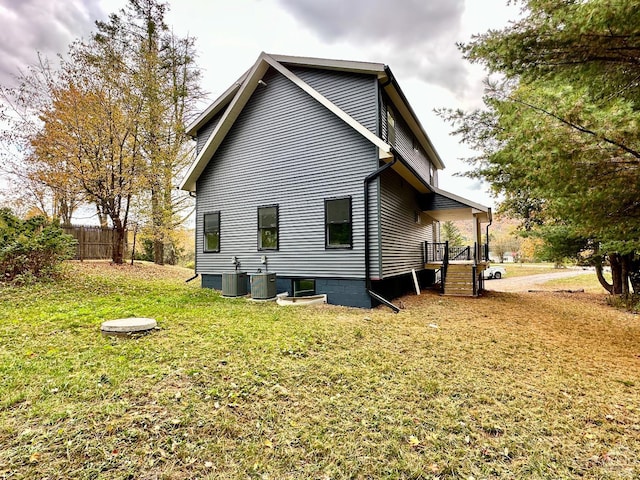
column 459, row 280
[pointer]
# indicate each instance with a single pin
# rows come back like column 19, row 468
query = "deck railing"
column 441, row 252
column 436, row 252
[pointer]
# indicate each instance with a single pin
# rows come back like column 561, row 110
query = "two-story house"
column 322, row 169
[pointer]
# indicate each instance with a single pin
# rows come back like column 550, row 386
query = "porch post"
column 477, row 235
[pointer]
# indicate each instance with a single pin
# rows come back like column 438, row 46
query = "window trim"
column 277, row 247
column 327, row 246
column 204, row 232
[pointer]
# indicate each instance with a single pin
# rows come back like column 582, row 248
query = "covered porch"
column 458, row 268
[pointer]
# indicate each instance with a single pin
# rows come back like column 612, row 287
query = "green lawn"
column 537, row 385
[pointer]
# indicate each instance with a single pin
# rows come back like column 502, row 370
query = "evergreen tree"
column 450, row 232
column 558, row 136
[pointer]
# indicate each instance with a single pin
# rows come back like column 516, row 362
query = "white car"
column 494, row 272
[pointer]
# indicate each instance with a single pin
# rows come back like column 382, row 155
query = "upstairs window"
column 212, row 232
column 391, row 128
column 337, row 214
column 268, row 228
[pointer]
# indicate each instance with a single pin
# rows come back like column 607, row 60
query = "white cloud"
column 45, row 26
column 419, row 35
column 416, row 38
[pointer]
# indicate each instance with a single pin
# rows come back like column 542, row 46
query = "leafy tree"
column 166, row 79
column 560, row 243
column 558, row 136
column 529, row 247
column 53, row 194
column 107, row 126
column 89, row 134
column 503, row 244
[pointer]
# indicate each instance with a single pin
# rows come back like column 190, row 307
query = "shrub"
column 630, row 302
column 31, row 248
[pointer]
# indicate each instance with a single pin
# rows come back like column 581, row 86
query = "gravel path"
column 530, row 282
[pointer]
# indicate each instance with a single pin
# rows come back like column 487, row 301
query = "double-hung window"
column 268, row 227
column 337, row 215
column 212, row 232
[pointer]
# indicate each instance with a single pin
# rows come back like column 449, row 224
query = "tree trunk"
column 65, row 212
column 634, row 273
column 616, row 273
column 603, row 281
column 624, row 270
column 102, row 217
column 117, row 254
column 158, row 252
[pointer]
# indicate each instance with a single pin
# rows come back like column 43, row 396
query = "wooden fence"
column 94, row 243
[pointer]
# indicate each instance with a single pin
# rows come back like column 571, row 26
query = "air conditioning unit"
column 263, row 286
column 234, row 284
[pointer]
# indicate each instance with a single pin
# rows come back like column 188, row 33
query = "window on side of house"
column 304, row 287
column 337, row 215
column 391, row 127
column 212, row 232
column 268, row 227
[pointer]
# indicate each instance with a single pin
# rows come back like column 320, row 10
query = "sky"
column 415, row 38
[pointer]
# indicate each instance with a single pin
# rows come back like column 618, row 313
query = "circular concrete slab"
column 128, row 326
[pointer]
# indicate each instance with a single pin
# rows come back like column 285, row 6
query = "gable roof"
column 234, row 99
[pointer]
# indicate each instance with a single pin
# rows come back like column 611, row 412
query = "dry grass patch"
column 507, row 386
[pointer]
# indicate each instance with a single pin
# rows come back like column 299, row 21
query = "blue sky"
column 416, row 38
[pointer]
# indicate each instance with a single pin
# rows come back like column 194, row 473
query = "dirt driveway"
column 531, row 282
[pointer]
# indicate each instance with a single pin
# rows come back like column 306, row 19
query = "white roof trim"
column 391, row 87
column 241, row 98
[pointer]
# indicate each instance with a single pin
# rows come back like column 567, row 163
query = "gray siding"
column 204, row 133
column 286, row 149
column 415, row 157
column 435, row 201
column 356, row 94
column 402, row 237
